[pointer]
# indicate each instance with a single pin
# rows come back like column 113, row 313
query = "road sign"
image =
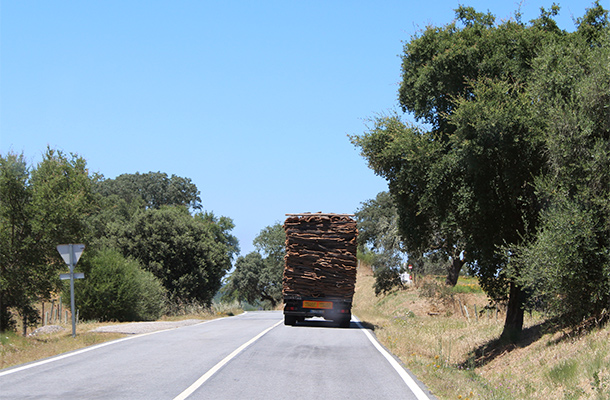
column 71, row 253
column 75, row 275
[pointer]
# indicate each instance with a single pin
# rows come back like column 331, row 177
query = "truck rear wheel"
column 290, row 320
column 344, row 322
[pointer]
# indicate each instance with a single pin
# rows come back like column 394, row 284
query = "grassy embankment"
column 16, row 349
column 457, row 355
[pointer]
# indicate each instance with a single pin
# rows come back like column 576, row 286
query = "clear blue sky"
column 251, row 100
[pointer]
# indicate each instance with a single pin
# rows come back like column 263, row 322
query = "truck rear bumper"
column 331, row 309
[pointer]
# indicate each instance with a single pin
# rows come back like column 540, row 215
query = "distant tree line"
column 511, row 166
column 257, row 277
column 149, row 247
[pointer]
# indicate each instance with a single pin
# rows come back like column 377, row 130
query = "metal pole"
column 72, row 290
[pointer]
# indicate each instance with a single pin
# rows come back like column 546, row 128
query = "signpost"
column 71, row 253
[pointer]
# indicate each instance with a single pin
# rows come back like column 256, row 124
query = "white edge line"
column 417, row 391
column 95, row 347
column 191, row 389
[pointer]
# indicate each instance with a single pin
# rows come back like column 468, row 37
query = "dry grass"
column 16, row 349
column 195, row 311
column 459, row 357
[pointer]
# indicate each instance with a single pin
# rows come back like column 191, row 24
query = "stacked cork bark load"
column 320, row 256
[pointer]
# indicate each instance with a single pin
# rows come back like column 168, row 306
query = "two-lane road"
column 251, row 356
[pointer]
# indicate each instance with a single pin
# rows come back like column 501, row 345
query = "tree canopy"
column 149, row 218
column 566, row 266
column 189, row 254
column 154, row 189
column 378, row 235
column 153, row 220
column 257, row 278
column 467, row 180
column 40, row 208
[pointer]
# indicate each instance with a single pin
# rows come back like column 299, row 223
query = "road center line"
column 415, row 389
column 223, row 362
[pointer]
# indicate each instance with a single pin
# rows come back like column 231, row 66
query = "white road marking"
column 417, row 391
column 191, row 389
column 86, row 349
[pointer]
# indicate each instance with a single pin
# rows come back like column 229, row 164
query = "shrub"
column 386, row 279
column 117, row 288
column 568, row 266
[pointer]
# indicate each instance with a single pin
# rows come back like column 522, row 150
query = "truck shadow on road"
column 322, row 323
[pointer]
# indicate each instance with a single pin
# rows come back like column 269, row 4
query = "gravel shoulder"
column 136, row 328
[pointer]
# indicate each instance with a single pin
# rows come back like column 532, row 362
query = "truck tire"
column 290, row 320
column 345, row 322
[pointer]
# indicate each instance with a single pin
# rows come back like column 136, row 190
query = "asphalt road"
column 251, row 356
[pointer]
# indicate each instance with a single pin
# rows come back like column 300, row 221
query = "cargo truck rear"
column 320, row 267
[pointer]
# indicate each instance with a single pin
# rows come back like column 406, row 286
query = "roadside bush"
column 569, row 263
column 386, row 267
column 386, row 279
column 366, row 256
column 116, row 288
column 436, row 291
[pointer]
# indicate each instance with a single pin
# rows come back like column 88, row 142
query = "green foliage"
column 39, row 209
column 593, row 26
column 61, row 199
column 403, row 155
column 365, row 256
column 500, row 153
column 377, row 224
column 117, row 289
column 433, row 263
column 467, row 288
column 189, row 254
column 567, row 266
column 378, row 231
column 386, row 279
column 146, row 216
column 257, row 279
column 470, row 183
column 154, row 189
column 271, row 242
column 122, row 198
column 15, row 237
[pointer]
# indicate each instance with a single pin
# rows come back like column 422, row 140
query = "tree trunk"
column 271, row 299
column 513, row 325
column 453, row 271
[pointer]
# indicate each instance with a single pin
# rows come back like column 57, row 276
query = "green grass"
column 467, row 288
column 564, row 372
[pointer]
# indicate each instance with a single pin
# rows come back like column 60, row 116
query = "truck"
column 320, row 267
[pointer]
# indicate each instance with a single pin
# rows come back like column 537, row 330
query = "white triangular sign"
column 77, row 251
